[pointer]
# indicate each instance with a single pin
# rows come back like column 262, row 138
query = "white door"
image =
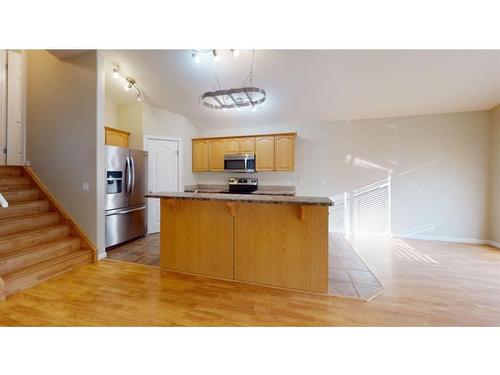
column 15, row 121
column 163, row 174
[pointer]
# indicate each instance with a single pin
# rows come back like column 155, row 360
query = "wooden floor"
column 426, row 283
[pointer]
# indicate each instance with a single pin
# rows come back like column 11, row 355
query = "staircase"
column 38, row 240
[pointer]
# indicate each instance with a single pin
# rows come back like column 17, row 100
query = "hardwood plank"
column 32, row 237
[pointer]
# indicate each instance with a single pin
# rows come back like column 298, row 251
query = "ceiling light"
column 127, row 86
column 196, row 57
column 254, row 108
column 139, row 97
column 216, row 56
column 235, row 52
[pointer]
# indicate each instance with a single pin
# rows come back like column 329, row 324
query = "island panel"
column 282, row 245
column 197, row 237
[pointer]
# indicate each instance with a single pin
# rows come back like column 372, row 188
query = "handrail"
column 3, row 201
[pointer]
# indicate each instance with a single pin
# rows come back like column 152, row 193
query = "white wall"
column 61, row 130
column 110, row 113
column 495, row 177
column 130, row 119
column 438, row 166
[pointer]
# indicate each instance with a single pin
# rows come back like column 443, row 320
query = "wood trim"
column 294, row 134
column 87, row 243
column 117, row 130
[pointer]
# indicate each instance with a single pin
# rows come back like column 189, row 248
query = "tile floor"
column 349, row 275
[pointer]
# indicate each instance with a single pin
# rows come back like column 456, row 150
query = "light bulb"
column 127, row 87
column 196, row 57
column 216, row 56
column 238, row 109
column 254, row 108
column 236, row 52
column 224, row 109
column 139, row 97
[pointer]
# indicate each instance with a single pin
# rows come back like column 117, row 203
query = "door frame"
column 146, row 138
column 3, row 106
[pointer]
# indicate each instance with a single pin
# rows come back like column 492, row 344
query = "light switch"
column 85, row 186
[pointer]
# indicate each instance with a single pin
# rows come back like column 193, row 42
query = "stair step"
column 10, row 171
column 19, row 209
column 20, row 224
column 42, row 271
column 32, row 237
column 21, row 194
column 15, row 259
column 14, row 182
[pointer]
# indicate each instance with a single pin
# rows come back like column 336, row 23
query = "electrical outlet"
column 85, row 186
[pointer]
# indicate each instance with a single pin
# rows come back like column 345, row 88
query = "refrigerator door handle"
column 124, row 212
column 132, row 180
column 129, row 175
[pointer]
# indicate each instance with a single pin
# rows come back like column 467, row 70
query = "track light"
column 216, row 56
column 196, row 57
column 127, row 86
column 254, row 108
column 235, row 52
column 116, row 72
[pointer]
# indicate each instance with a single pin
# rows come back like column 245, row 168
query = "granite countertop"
column 246, row 198
column 261, row 190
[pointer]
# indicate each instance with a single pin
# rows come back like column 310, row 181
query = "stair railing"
column 3, row 201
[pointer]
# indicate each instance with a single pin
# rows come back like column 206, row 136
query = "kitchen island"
column 279, row 241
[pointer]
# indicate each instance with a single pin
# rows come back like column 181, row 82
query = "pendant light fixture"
column 244, row 96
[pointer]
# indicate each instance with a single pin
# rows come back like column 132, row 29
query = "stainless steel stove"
column 242, row 185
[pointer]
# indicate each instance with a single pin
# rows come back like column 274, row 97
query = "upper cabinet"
column 232, row 145
column 264, row 153
column 273, row 152
column 216, row 151
column 200, row 155
column 247, row 145
column 284, row 153
column 116, row 137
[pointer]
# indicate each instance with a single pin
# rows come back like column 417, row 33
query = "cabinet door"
column 232, row 145
column 216, row 150
column 247, row 145
column 116, row 138
column 264, row 153
column 200, row 156
column 284, row 153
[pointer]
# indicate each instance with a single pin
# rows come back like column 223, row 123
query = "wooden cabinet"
column 247, row 145
column 232, row 145
column 216, row 151
column 264, row 153
column 116, row 137
column 273, row 152
column 284, row 153
column 200, row 155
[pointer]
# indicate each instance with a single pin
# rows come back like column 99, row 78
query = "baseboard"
column 474, row 241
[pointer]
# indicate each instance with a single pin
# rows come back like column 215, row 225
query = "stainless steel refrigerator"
column 126, row 184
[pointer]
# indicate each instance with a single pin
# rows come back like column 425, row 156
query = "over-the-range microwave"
column 239, row 163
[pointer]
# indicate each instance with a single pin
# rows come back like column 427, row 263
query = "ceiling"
column 313, row 86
